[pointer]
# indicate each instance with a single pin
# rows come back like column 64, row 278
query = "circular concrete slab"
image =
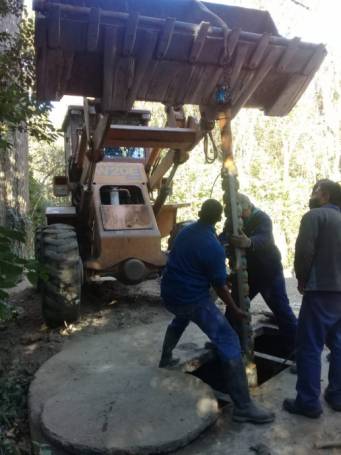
column 129, row 410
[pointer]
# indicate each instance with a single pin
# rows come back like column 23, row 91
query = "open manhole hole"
column 271, row 357
column 272, row 353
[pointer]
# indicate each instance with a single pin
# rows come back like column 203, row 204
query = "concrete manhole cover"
column 135, row 411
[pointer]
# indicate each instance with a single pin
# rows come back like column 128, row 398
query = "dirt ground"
column 26, row 343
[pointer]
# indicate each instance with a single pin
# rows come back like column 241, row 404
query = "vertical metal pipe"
column 234, row 224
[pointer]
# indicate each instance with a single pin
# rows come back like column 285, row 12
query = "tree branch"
column 300, row 4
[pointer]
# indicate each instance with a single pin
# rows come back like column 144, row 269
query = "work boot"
column 211, row 346
column 292, row 407
column 170, row 341
column 293, row 368
column 332, row 403
column 245, row 410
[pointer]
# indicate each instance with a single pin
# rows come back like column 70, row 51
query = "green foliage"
column 10, row 7
column 37, row 200
column 46, row 161
column 13, row 410
column 43, row 449
column 12, row 267
column 19, row 108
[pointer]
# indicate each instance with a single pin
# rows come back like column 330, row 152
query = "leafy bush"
column 18, row 107
column 13, row 410
column 19, row 111
column 12, row 266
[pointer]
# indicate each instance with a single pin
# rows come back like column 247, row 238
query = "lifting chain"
column 210, row 158
column 206, row 127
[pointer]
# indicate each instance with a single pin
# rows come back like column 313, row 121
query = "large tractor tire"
column 61, row 291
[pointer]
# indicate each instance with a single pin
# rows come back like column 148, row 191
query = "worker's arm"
column 215, row 269
column 260, row 238
column 305, row 248
column 224, row 294
column 262, row 235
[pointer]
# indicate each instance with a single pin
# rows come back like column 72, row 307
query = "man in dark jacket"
column 318, row 272
column 196, row 262
column 264, row 266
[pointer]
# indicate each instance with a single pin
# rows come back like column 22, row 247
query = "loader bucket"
column 170, row 51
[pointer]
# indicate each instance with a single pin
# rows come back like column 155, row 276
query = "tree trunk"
column 14, row 194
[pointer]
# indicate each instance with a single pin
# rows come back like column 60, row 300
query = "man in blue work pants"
column 318, row 271
column 197, row 261
column 264, row 266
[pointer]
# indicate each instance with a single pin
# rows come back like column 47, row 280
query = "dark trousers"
column 319, row 323
column 211, row 321
column 275, row 296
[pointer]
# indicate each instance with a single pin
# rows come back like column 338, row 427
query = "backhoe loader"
column 119, row 170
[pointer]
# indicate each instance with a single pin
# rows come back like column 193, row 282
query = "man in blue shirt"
column 196, row 262
column 318, row 272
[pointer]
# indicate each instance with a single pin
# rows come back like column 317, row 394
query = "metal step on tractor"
column 119, row 169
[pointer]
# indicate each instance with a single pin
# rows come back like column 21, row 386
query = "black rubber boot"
column 293, row 369
column 292, row 407
column 245, row 410
column 170, row 341
column 334, row 405
column 211, row 346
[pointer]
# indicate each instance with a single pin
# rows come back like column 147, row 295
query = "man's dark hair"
column 332, row 188
column 210, row 211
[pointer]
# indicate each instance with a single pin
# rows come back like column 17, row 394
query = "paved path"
column 104, row 394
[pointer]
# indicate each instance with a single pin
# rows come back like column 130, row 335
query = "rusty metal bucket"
column 170, row 51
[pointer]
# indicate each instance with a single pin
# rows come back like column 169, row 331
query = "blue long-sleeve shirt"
column 263, row 256
column 196, row 261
